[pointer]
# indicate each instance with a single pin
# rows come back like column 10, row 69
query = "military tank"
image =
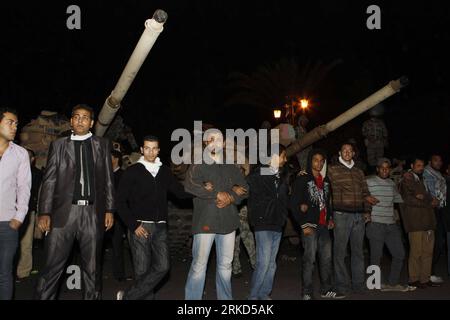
column 180, row 217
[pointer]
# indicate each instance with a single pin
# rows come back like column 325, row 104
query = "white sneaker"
column 119, row 295
column 397, row 287
column 307, row 297
column 436, row 279
column 411, row 288
column 332, row 295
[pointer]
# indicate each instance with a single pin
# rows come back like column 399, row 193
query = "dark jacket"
column 417, row 215
column 141, row 196
column 267, row 204
column 117, row 177
column 36, row 179
column 207, row 218
column 305, row 191
column 349, row 189
column 56, row 195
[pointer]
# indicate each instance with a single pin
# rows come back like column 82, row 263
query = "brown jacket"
column 349, row 189
column 417, row 215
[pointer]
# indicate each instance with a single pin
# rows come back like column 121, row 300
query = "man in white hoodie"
column 142, row 205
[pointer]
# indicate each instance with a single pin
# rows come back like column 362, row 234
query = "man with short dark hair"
column 350, row 198
column 437, row 187
column 15, row 185
column 311, row 207
column 142, row 205
column 383, row 227
column 268, row 209
column 215, row 217
column 76, row 202
column 419, row 222
column 85, row 108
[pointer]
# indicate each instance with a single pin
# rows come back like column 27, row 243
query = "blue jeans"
column 349, row 226
column 201, row 247
column 267, row 245
column 150, row 260
column 380, row 234
column 9, row 240
column 318, row 242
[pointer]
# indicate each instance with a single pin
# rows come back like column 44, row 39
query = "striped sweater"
column 386, row 192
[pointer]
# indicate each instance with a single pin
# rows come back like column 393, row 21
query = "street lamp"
column 304, row 104
column 277, row 113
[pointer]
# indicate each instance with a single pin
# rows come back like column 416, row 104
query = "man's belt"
column 82, row 202
column 151, row 222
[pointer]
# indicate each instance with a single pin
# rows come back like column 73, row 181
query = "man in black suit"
column 76, row 202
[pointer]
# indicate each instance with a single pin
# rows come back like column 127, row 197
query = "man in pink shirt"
column 15, row 185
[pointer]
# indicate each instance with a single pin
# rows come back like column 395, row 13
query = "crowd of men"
column 83, row 193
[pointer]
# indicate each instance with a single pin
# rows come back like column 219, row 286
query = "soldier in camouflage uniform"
column 245, row 234
column 301, row 131
column 375, row 133
column 247, row 237
column 397, row 171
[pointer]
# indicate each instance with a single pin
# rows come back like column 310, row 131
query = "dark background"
column 186, row 75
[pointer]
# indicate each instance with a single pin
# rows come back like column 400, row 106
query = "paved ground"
column 287, row 285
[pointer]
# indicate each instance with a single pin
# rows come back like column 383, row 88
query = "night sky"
column 186, row 76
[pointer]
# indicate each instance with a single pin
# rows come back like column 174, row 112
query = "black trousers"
column 83, row 226
column 118, row 263
column 150, row 260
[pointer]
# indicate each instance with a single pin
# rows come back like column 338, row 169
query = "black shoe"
column 20, row 279
column 432, row 284
column 360, row 291
column 418, row 285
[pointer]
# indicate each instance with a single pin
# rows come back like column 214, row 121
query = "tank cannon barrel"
column 153, row 27
column 318, row 133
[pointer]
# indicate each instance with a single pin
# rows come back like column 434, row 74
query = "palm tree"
column 276, row 84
